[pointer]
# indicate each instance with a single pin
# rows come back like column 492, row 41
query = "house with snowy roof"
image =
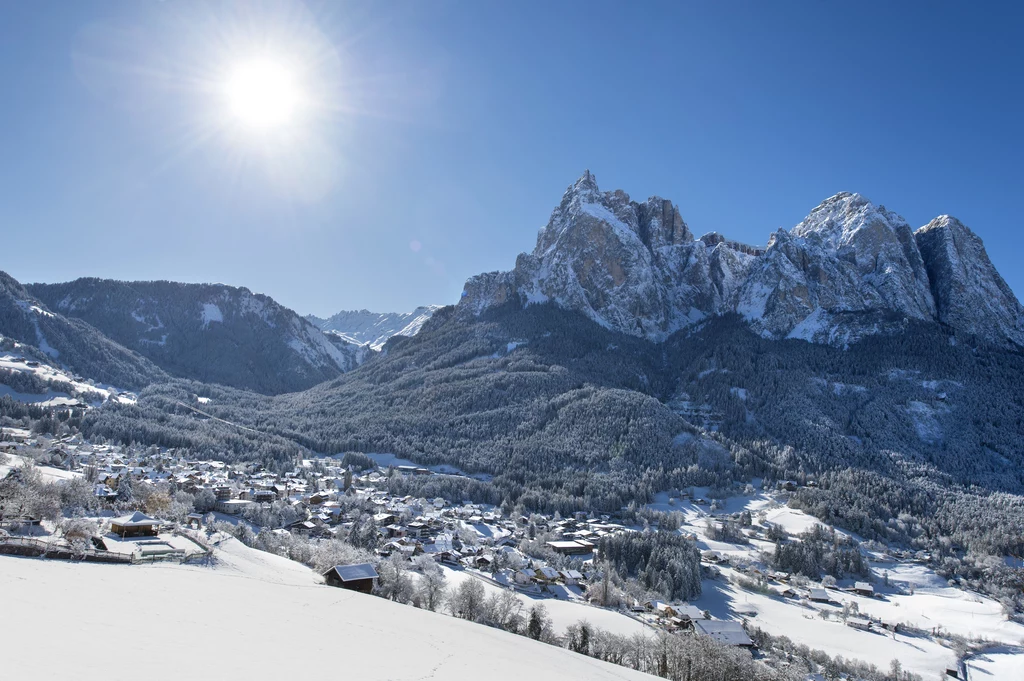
column 137, row 524
column 725, row 632
column 361, row 577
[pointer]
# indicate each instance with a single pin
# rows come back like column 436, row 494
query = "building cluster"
column 328, row 501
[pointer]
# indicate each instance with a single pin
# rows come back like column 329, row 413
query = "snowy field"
column 48, row 373
column 917, row 597
column 785, row 617
column 48, row 473
column 563, row 613
column 997, row 664
column 252, row 615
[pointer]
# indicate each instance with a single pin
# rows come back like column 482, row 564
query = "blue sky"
column 445, row 132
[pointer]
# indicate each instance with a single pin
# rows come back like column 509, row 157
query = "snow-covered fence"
column 37, row 548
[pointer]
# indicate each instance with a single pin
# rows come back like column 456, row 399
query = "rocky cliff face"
column 969, row 293
column 633, row 267
column 849, row 269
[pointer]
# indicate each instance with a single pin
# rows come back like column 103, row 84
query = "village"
column 137, row 517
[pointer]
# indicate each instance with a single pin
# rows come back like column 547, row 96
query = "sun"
column 262, row 94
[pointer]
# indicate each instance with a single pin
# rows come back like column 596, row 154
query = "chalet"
column 727, row 633
column 713, row 557
column 301, row 527
column 361, row 577
column 688, row 613
column 137, row 524
column 546, row 574
column 101, row 491
column 523, row 577
column 818, row 595
column 571, row 547
column 571, row 577
column 859, row 623
column 864, row 589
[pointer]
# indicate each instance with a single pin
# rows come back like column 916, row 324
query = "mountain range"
column 850, row 269
column 621, row 358
column 362, row 327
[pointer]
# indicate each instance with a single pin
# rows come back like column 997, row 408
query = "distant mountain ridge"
column 850, row 269
column 363, row 327
column 208, row 332
column 66, row 342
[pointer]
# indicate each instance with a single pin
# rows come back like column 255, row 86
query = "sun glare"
column 262, row 94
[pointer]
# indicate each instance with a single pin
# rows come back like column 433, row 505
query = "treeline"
column 820, row 550
column 663, row 562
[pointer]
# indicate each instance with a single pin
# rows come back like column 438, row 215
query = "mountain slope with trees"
column 207, row 332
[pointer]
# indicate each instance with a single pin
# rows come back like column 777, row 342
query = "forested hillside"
column 207, row 332
column 560, row 414
column 68, row 342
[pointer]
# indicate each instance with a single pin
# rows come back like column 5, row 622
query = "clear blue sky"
column 445, row 132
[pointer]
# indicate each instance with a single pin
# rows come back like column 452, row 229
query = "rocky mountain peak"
column 969, row 293
column 850, row 268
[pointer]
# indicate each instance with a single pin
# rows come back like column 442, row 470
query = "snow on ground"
column 563, row 613
column 663, row 501
column 251, row 615
column 48, row 373
column 164, row 542
column 48, row 473
column 934, row 604
column 784, row 617
column 997, row 664
column 916, row 597
column 793, row 521
column 386, row 460
column 211, row 313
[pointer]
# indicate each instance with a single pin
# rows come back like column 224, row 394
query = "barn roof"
column 351, row 573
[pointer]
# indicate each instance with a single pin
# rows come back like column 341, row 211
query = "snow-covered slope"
column 31, row 332
column 208, row 332
column 362, row 327
column 250, row 616
column 851, row 268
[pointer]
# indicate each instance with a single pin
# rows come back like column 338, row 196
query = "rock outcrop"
column 849, row 269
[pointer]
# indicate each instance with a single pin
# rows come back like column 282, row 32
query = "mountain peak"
column 851, row 268
column 838, row 219
column 584, row 190
column 969, row 293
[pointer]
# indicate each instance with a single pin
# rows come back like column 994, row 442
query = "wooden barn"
column 361, row 577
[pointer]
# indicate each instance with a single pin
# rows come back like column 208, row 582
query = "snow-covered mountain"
column 969, row 293
column 30, row 332
column 851, row 268
column 208, row 332
column 373, row 329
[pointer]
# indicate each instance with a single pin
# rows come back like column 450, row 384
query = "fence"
column 36, row 548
